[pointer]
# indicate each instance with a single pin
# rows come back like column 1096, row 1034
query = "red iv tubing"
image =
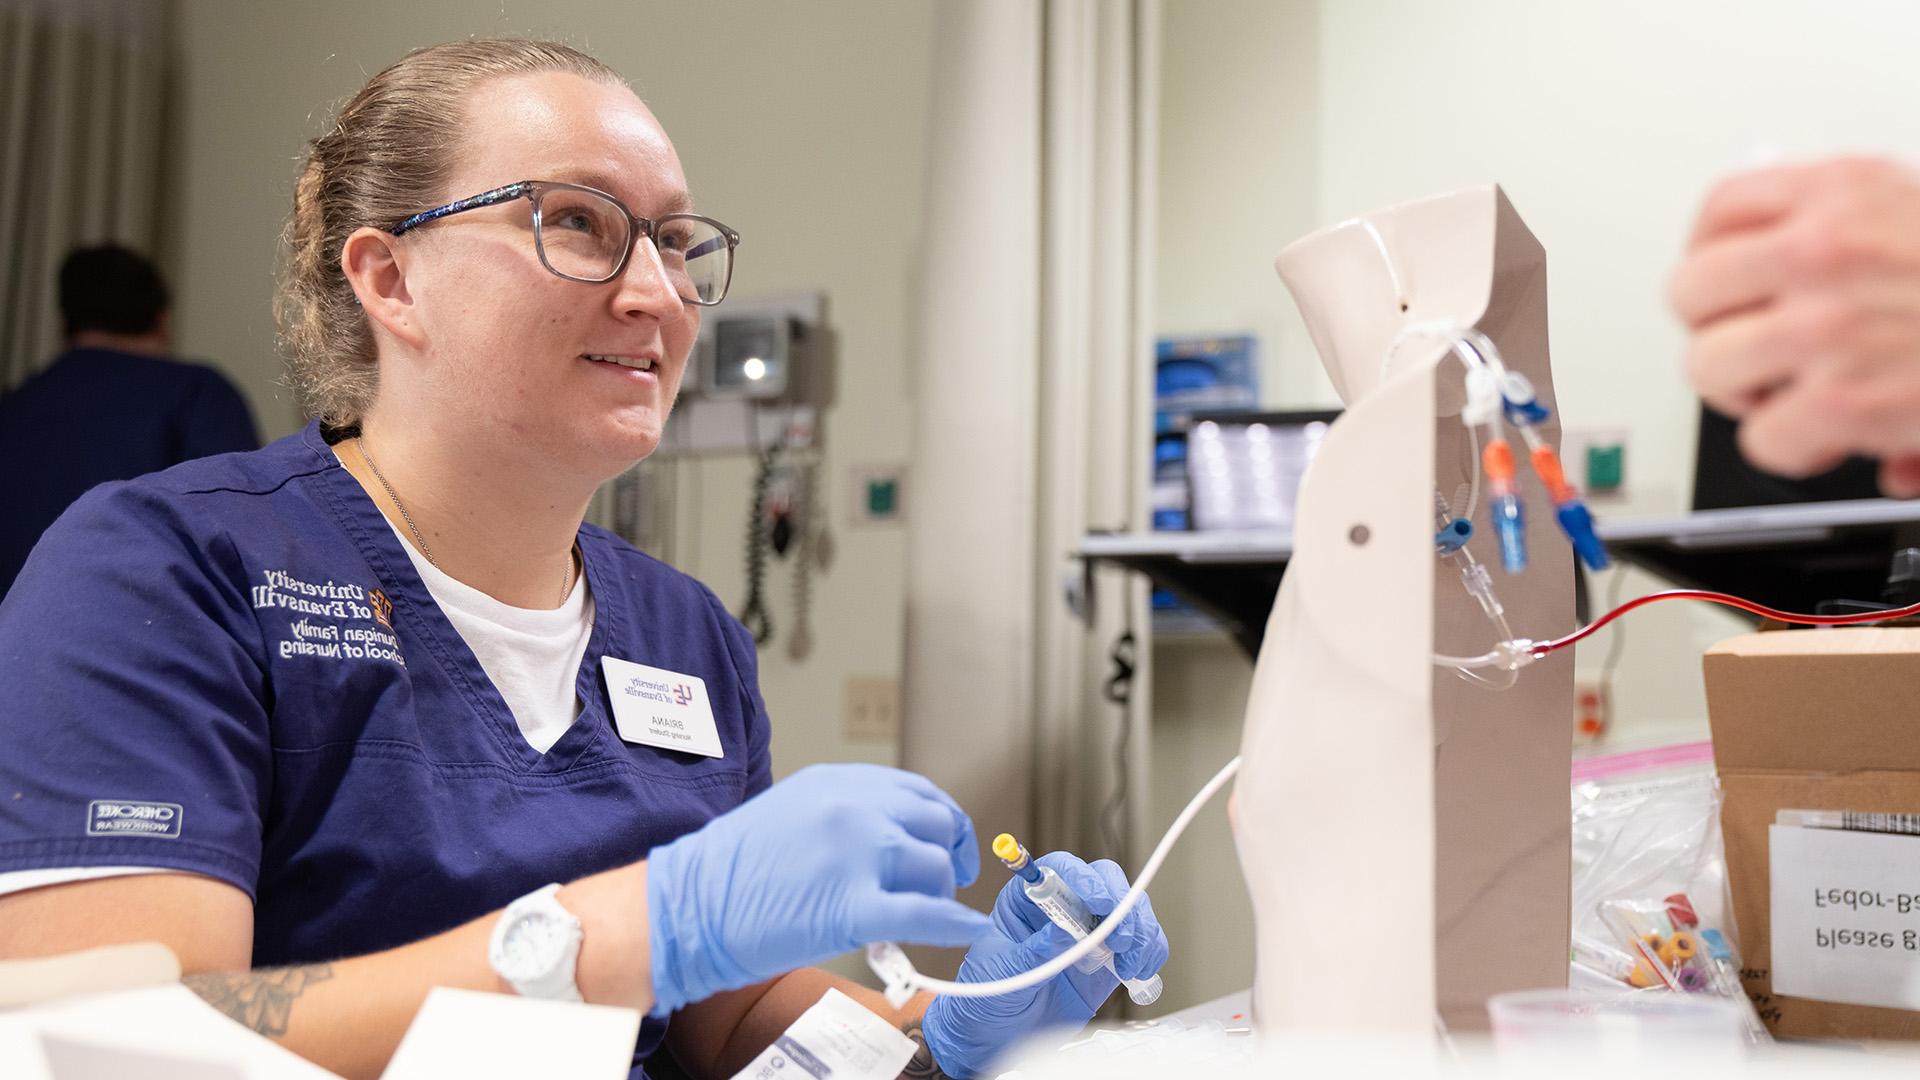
column 1541, row 649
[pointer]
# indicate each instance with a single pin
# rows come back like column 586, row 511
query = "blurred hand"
column 1801, row 289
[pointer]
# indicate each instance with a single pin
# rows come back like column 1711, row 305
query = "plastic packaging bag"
column 1651, row 911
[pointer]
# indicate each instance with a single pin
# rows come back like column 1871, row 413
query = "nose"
column 645, row 287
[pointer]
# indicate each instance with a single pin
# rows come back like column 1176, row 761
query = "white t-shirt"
column 532, row 657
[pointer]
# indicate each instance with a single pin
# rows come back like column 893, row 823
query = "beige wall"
column 1605, row 123
column 1239, row 124
column 802, row 125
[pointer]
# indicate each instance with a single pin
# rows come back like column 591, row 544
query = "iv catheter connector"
column 1577, row 522
column 1509, row 517
column 1054, row 897
column 1510, row 525
column 1568, row 508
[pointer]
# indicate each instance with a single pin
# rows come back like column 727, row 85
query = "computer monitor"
column 1846, row 568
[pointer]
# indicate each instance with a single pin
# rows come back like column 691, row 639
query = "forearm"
column 348, row 1016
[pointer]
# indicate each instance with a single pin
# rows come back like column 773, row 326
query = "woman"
column 370, row 710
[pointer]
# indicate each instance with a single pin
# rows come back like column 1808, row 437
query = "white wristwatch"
column 536, row 945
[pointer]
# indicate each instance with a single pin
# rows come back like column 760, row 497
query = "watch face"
column 532, row 946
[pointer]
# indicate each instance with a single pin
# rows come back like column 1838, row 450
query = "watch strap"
column 560, row 981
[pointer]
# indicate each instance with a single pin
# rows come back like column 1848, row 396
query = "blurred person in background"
column 113, row 406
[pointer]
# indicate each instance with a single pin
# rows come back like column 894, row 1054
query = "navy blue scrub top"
column 231, row 668
column 95, row 415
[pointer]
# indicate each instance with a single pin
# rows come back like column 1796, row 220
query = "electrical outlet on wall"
column 872, row 708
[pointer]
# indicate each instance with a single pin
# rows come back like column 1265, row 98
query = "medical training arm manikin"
column 898, row 849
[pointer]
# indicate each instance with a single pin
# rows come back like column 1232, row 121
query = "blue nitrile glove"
column 827, row 860
column 966, row 1034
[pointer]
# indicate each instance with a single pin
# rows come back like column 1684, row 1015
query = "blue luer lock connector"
column 1522, row 405
column 1453, row 536
column 1577, row 523
column 1526, row 413
column 1510, row 526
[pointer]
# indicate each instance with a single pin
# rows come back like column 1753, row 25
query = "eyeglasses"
column 584, row 234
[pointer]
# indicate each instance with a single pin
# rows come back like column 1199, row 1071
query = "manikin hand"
column 1801, row 288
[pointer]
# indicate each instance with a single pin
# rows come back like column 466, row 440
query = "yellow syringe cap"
column 1006, row 848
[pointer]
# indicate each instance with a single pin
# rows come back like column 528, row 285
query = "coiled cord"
column 754, row 615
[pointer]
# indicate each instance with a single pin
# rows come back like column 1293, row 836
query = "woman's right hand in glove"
column 822, row 863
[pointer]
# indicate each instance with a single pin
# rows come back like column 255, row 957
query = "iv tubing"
column 1468, row 663
column 1474, row 347
column 1542, row 648
column 1517, row 649
column 1108, row 923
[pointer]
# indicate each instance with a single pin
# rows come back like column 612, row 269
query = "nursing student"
column 370, row 710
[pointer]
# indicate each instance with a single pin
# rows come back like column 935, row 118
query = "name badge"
column 656, row 707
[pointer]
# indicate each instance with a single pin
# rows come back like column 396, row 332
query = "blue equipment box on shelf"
column 1192, row 375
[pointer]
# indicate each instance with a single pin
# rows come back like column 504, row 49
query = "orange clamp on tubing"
column 1497, row 460
column 1547, row 464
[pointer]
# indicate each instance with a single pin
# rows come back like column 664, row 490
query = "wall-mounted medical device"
column 765, row 349
column 759, row 375
column 752, row 356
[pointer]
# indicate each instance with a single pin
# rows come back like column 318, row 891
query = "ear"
column 376, row 268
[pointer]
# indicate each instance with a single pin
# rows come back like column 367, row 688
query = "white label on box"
column 839, row 1038
column 1846, row 916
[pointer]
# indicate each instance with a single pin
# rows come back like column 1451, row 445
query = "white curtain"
column 1031, row 413
column 81, row 85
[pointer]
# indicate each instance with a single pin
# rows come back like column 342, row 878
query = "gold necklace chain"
column 360, row 444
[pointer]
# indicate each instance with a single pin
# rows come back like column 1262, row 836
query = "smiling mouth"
column 638, row 363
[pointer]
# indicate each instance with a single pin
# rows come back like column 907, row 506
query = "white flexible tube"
column 1511, row 655
column 1035, row 976
column 1473, row 478
column 1468, row 663
column 1506, row 683
column 1502, row 656
column 1393, row 273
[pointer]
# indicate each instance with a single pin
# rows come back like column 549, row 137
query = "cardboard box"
column 1810, row 720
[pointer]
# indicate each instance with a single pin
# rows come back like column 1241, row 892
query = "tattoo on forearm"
column 922, row 1067
column 259, row 999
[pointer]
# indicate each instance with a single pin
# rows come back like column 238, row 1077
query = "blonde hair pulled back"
column 386, row 156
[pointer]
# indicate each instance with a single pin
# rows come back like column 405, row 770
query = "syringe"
column 1052, row 895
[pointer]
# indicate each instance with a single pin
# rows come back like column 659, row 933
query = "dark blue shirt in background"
column 96, row 415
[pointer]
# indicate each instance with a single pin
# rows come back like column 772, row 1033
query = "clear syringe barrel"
column 1068, row 911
